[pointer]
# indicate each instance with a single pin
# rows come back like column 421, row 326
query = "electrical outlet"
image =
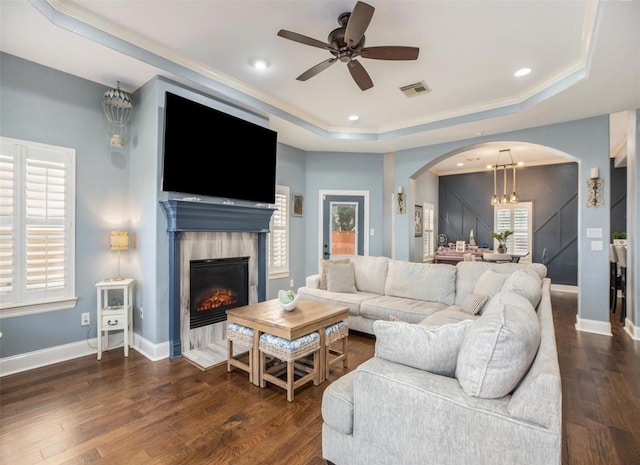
column 141, row 313
column 85, row 319
column 291, row 283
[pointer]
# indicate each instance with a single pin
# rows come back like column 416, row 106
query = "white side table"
column 114, row 314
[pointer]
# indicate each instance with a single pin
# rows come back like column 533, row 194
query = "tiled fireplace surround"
column 200, row 231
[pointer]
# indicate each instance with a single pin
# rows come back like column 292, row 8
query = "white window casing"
column 279, row 235
column 37, row 226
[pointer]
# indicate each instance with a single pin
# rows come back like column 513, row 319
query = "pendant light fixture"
column 495, row 200
column 505, row 199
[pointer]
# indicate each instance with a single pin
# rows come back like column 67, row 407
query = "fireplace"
column 216, row 285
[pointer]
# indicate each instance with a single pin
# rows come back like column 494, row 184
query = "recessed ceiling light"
column 520, row 163
column 354, row 117
column 522, row 72
column 489, row 167
column 260, row 64
column 460, row 164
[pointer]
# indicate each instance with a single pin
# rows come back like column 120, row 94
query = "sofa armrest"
column 313, row 281
column 418, row 417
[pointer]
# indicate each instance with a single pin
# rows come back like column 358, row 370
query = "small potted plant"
column 619, row 238
column 501, row 237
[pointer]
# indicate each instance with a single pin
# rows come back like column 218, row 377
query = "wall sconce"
column 595, row 191
column 119, row 241
column 117, row 108
column 402, row 201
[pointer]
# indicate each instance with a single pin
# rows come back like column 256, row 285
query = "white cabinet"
column 115, row 311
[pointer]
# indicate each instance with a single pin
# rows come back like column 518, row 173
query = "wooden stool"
column 244, row 336
column 286, row 353
column 336, row 332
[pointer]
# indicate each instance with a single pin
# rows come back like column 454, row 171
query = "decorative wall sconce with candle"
column 119, row 241
column 402, row 201
column 595, row 191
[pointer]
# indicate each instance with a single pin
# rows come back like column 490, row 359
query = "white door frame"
column 365, row 227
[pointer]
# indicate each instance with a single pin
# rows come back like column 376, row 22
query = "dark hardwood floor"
column 134, row 411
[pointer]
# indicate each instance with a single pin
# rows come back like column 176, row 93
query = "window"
column 428, row 234
column 37, row 211
column 279, row 235
column 516, row 218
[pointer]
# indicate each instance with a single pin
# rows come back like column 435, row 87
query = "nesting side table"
column 116, row 313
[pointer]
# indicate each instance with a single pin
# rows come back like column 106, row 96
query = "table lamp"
column 119, row 241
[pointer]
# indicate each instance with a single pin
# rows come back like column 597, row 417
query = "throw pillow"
column 490, row 283
column 527, row 283
column 473, row 303
column 430, row 348
column 499, row 347
column 340, row 278
column 323, row 270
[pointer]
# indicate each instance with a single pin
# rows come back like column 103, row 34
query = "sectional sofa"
column 465, row 367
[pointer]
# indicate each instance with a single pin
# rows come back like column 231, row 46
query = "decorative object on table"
column 501, row 237
column 595, row 191
column 117, row 108
column 402, row 201
column 119, row 241
column 460, row 246
column 505, row 199
column 298, row 204
column 442, row 239
column 417, row 223
column 288, row 299
column 619, row 238
column 472, row 240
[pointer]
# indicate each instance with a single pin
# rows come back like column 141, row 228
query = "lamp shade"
column 119, row 240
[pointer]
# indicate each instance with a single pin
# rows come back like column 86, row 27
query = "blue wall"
column 464, row 205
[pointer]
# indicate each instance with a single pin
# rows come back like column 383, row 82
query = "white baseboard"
column 632, row 330
column 564, row 288
column 51, row 355
column 593, row 326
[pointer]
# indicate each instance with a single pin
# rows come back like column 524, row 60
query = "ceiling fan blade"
column 390, row 53
column 304, row 39
column 360, row 75
column 358, row 23
column 316, row 69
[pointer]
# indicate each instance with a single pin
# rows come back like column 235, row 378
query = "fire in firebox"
column 217, row 298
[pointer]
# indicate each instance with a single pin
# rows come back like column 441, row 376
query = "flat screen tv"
column 211, row 153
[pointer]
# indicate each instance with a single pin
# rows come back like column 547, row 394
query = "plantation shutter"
column 279, row 234
column 37, row 229
column 7, row 223
column 516, row 218
column 428, row 235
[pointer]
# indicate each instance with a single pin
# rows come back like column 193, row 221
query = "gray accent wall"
column 553, row 189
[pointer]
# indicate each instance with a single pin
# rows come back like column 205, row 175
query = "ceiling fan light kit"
column 347, row 43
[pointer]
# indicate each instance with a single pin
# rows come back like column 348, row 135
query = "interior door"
column 343, row 225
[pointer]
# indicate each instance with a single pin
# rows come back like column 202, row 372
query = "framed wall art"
column 297, row 201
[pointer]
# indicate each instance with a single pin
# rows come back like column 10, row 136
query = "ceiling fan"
column 346, row 43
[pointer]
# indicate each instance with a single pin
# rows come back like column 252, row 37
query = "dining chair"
column 621, row 253
column 614, row 279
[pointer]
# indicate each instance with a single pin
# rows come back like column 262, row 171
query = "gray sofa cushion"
column 527, row 283
column 323, row 270
column 430, row 348
column 410, row 310
column 340, row 277
column 498, row 347
column 421, row 281
column 337, row 404
column 370, row 272
column 452, row 314
column 352, row 301
column 468, row 274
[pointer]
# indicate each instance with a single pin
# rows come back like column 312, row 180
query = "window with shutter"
column 37, row 211
column 516, row 218
column 428, row 235
column 279, row 235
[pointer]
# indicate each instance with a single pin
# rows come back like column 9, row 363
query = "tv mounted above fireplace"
column 210, row 153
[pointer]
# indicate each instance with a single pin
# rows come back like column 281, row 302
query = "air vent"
column 418, row 88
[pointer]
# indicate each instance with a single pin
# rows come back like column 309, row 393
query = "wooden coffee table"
column 269, row 317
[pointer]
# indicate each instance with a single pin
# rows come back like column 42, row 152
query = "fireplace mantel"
column 185, row 216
